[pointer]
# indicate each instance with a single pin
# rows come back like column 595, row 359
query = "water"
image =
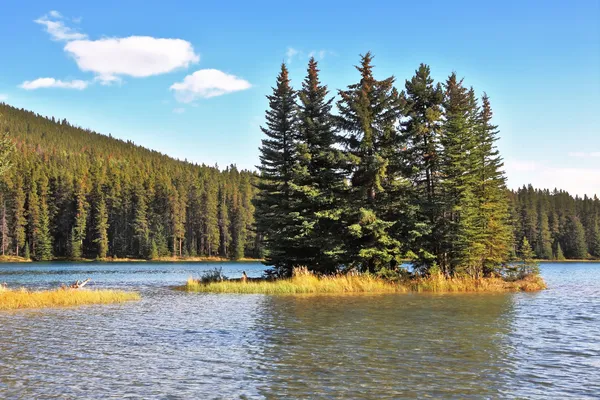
column 190, row 345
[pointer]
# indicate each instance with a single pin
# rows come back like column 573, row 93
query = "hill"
column 73, row 192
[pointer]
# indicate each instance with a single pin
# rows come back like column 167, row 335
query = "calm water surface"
column 189, row 345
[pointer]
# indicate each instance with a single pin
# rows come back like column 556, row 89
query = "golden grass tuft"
column 12, row 259
column 303, row 282
column 11, row 299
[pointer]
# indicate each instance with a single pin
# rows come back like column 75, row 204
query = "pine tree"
column 277, row 161
column 178, row 218
column 493, row 218
column 544, row 239
column 6, row 149
column 141, row 229
column 42, row 239
column 78, row 232
column 368, row 115
column 595, row 242
column 101, row 227
column 529, row 266
column 238, row 227
column 559, row 253
column 19, row 218
column 210, row 220
column 4, row 229
column 461, row 247
column 421, row 135
column 224, row 222
column 318, row 177
column 574, row 239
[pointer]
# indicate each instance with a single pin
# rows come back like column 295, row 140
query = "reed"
column 304, row 282
column 11, row 299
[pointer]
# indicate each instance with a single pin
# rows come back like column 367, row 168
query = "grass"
column 13, row 259
column 12, row 299
column 303, row 282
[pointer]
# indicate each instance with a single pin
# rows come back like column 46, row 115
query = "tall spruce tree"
column 42, row 238
column 318, row 183
column 574, row 239
column 19, row 217
column 368, row 116
column 421, row 130
column 78, row 232
column 493, row 217
column 275, row 217
column 461, row 249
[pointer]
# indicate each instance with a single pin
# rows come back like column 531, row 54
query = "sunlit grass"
column 11, row 299
column 305, row 282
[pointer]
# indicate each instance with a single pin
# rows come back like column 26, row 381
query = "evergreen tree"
column 368, row 115
column 6, row 151
column 42, row 239
column 559, row 253
column 210, row 220
column 461, row 246
column 19, row 218
column 79, row 229
column 141, row 229
column 318, row 177
column 493, row 217
column 178, row 219
column 544, row 239
column 224, row 222
column 101, row 227
column 421, row 134
column 595, row 240
column 574, row 239
column 274, row 217
column 4, row 229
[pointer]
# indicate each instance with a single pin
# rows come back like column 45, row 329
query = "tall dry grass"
column 304, row 282
column 11, row 299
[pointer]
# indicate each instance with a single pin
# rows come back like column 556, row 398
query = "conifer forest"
column 367, row 177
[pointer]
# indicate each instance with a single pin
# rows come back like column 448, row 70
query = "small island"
column 14, row 299
column 305, row 282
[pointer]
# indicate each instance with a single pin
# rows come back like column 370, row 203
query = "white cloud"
column 54, row 83
column 57, row 29
column 291, row 53
column 207, row 83
column 137, row 56
column 3, row 97
column 179, row 110
column 583, row 154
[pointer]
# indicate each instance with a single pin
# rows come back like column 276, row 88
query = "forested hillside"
column 75, row 193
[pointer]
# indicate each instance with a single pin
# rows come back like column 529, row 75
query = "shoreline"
column 14, row 259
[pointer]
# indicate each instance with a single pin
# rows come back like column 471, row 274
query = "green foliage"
column 276, row 218
column 368, row 117
column 27, row 252
column 213, row 275
column 93, row 182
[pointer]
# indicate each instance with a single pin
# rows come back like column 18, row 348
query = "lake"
column 175, row 345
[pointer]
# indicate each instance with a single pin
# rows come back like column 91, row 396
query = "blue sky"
column 200, row 94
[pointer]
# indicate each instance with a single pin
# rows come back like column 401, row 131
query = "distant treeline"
column 74, row 193
column 556, row 224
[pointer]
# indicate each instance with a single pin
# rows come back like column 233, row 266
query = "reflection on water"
column 179, row 345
